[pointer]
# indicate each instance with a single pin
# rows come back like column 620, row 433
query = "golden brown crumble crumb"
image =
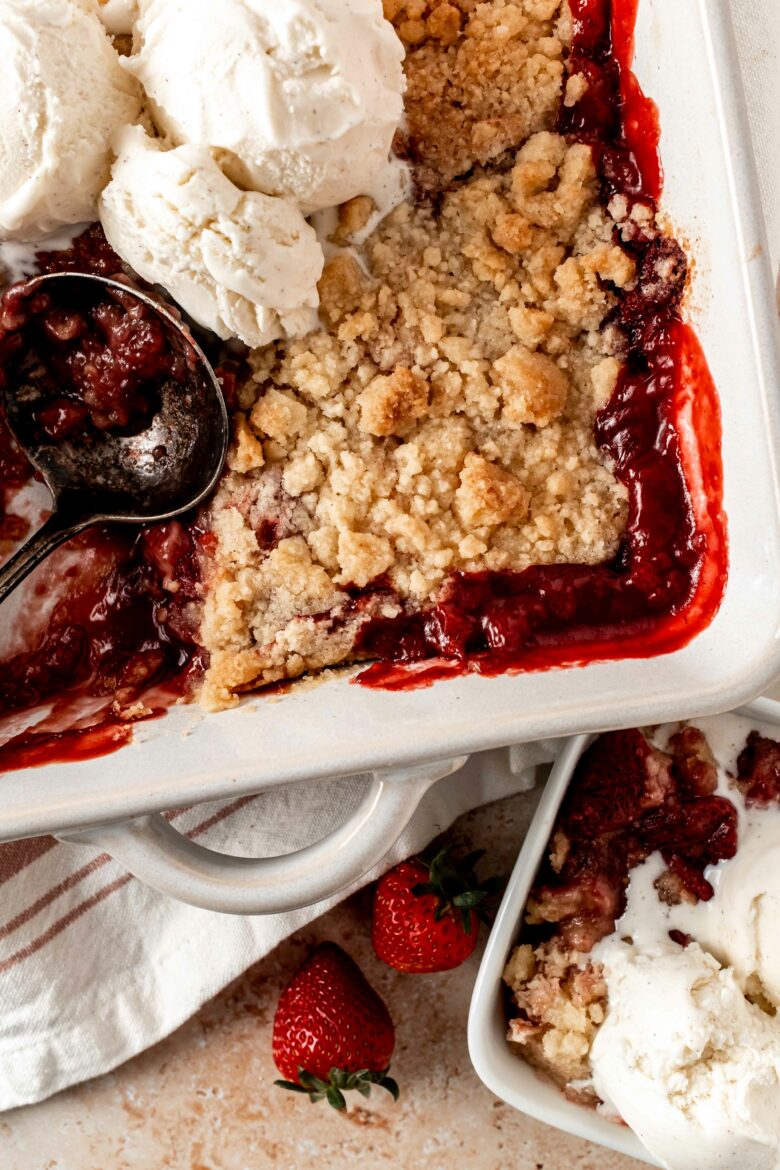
column 442, row 417
column 552, row 183
column 604, row 377
column 246, row 450
column 559, row 850
column 534, row 389
column 392, row 403
column 340, row 287
column 363, row 557
column 488, row 495
column 512, row 232
column 278, row 415
column 576, row 88
column 561, row 1000
column 353, row 217
column 443, row 24
column 672, row 891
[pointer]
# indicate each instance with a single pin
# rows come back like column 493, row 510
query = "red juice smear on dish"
column 614, row 116
column 34, row 750
column 661, row 429
column 80, row 726
column 113, row 633
column 113, row 629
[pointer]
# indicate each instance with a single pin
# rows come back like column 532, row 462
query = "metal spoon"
column 104, row 478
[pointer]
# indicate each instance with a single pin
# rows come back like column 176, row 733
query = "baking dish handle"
column 156, row 853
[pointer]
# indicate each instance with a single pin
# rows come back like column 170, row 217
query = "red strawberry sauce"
column 661, row 429
column 627, row 799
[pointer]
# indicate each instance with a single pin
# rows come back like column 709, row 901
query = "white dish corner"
column 507, row 1075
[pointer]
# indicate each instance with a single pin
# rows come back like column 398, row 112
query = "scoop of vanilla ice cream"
column 687, row 1061
column 62, row 95
column 741, row 924
column 298, row 98
column 738, row 925
column 240, row 263
column 118, row 16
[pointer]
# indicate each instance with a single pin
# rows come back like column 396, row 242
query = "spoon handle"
column 52, row 533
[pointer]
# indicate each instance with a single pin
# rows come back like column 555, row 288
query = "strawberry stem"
column 457, row 887
column 338, row 1082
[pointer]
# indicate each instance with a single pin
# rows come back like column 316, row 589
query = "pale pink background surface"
column 204, row 1098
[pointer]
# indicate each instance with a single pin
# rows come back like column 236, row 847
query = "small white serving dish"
column 687, row 61
column 505, row 1073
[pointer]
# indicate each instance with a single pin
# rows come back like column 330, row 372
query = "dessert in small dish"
column 420, row 242
column 646, row 981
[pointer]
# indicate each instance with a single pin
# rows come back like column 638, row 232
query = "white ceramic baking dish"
column 504, row 1073
column 687, row 62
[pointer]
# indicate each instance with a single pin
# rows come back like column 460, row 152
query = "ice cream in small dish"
column 646, row 981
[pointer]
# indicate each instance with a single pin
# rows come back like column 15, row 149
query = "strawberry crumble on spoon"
column 112, row 402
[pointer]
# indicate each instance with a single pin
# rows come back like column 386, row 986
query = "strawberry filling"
column 758, row 771
column 95, row 360
column 127, row 618
column 627, row 800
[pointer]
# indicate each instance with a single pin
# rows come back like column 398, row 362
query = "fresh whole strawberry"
column 426, row 915
column 332, row 1032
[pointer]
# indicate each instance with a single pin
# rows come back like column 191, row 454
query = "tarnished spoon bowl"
column 100, row 477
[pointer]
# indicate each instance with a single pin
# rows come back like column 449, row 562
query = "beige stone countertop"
column 204, row 1098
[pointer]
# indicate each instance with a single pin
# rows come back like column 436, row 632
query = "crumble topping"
column 442, row 417
column 481, row 77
